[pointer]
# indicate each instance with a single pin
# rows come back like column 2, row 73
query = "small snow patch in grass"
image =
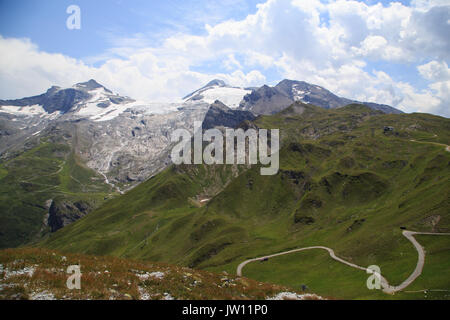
column 43, row 295
column 167, row 296
column 144, row 295
column 295, row 296
column 156, row 275
column 29, row 271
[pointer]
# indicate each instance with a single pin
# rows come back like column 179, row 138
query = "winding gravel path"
column 384, row 283
column 447, row 147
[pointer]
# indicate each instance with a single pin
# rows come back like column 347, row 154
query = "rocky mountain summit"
column 57, row 99
column 219, row 115
column 270, row 100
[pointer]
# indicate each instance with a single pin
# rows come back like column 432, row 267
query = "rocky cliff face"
column 64, row 212
column 220, row 115
column 270, row 100
column 265, row 100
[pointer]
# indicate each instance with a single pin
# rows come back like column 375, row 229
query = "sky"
column 394, row 53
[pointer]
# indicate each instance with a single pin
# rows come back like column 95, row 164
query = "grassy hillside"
column 324, row 275
column 343, row 183
column 32, row 179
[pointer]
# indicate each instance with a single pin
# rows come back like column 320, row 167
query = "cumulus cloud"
column 426, row 33
column 438, row 73
column 332, row 44
column 435, row 71
column 146, row 74
column 24, row 70
column 427, row 4
column 377, row 47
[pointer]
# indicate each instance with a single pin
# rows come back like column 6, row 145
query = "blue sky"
column 43, row 21
column 393, row 53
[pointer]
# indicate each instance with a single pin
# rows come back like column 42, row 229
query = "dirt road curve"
column 447, row 148
column 384, row 283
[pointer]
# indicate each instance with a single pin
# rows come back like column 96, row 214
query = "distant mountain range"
column 99, row 103
column 269, row 100
column 95, row 139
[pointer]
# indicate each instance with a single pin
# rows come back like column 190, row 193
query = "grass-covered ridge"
column 32, row 179
column 343, row 183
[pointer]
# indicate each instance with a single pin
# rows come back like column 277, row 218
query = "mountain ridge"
column 270, row 100
column 64, row 99
column 262, row 100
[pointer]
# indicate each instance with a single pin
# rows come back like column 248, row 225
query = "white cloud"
column 435, row 71
column 253, row 59
column 25, row 71
column 427, row 4
column 426, row 34
column 232, row 63
column 439, row 74
column 376, row 47
column 239, row 78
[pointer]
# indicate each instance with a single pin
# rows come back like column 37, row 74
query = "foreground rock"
column 39, row 274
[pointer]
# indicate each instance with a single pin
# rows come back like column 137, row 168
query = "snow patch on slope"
column 298, row 94
column 90, row 107
column 34, row 110
column 100, row 96
column 140, row 108
column 29, row 111
column 230, row 96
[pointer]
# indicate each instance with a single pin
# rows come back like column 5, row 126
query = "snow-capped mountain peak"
column 86, row 99
column 218, row 90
